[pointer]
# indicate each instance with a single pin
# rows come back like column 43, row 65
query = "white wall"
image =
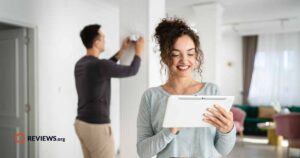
column 143, row 16
column 132, row 88
column 59, row 47
column 187, row 13
column 156, row 74
column 231, row 77
column 208, row 24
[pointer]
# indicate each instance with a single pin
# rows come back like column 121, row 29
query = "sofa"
column 287, row 125
column 259, row 114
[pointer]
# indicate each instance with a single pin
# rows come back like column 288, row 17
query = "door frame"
column 32, row 82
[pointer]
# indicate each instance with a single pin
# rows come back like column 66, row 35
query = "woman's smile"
column 183, row 67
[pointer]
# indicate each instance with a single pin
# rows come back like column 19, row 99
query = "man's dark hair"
column 89, row 34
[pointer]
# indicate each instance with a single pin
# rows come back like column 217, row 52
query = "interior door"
column 13, row 93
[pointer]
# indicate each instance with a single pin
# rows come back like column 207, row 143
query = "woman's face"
column 183, row 57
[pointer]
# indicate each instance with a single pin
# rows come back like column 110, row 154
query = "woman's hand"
column 220, row 118
column 174, row 130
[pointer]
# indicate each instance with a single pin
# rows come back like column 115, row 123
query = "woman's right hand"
column 174, row 130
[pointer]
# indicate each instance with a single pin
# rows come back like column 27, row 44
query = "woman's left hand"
column 220, row 118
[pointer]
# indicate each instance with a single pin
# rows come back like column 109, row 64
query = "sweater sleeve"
column 114, row 59
column 224, row 143
column 148, row 143
column 112, row 69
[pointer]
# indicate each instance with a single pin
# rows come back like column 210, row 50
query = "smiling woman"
column 181, row 53
column 175, row 41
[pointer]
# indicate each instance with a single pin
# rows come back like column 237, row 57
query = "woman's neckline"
column 164, row 91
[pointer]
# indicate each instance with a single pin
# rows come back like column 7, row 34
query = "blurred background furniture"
column 259, row 114
column 238, row 118
column 254, row 116
column 273, row 137
column 288, row 125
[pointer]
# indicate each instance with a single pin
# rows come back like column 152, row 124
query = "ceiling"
column 245, row 10
column 231, row 4
column 236, row 11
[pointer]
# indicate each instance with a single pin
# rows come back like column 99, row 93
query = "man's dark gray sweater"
column 92, row 77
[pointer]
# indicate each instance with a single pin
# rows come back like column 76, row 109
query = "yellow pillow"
column 266, row 112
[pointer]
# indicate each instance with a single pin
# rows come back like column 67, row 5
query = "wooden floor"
column 257, row 147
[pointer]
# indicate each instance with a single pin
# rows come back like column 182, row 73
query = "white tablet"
column 187, row 111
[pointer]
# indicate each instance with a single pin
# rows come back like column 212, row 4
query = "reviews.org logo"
column 20, row 138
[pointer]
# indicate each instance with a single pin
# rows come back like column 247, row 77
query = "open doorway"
column 18, row 95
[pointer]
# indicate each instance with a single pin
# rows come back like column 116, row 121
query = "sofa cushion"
column 294, row 109
column 251, row 126
column 266, row 112
column 252, row 119
column 252, row 111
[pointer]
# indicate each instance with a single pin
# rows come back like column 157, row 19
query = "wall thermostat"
column 134, row 37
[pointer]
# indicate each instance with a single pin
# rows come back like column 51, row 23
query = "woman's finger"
column 214, row 120
column 211, row 122
column 221, row 110
column 217, row 114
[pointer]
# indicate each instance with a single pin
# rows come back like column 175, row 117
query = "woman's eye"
column 175, row 55
column 191, row 54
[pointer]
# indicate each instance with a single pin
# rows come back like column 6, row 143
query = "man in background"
column 93, row 85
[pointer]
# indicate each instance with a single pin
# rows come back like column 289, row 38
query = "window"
column 276, row 74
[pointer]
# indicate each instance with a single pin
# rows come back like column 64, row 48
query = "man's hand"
column 125, row 44
column 220, row 118
column 139, row 46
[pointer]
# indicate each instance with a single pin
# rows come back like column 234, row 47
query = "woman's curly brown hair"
column 166, row 34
